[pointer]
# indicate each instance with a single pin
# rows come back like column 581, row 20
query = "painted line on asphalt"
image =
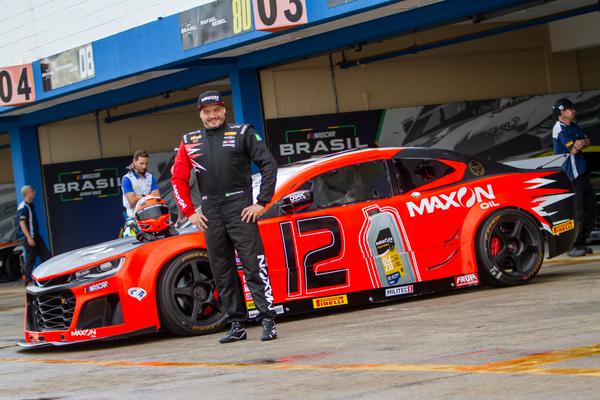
column 525, row 365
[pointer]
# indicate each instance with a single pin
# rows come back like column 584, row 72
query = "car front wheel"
column 188, row 302
column 509, row 247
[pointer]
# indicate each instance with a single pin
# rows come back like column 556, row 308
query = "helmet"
column 561, row 105
column 152, row 214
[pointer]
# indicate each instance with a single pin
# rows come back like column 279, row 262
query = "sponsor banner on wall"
column 299, row 138
column 499, row 129
column 68, row 67
column 84, row 202
column 214, row 21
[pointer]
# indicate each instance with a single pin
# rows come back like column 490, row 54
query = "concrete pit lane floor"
column 537, row 341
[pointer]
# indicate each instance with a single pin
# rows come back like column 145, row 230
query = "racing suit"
column 221, row 160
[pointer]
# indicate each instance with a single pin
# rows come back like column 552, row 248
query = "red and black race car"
column 357, row 227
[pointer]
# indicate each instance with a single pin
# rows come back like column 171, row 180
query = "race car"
column 355, row 227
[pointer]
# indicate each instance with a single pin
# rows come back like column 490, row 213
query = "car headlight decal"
column 104, row 270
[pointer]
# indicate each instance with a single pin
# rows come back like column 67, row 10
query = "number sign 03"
column 16, row 85
column 276, row 15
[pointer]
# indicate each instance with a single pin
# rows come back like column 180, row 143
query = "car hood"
column 78, row 258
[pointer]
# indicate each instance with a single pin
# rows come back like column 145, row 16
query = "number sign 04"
column 16, row 85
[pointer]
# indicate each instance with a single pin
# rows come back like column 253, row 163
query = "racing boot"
column 269, row 331
column 236, row 333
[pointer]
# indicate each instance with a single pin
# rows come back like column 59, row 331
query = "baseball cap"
column 209, row 98
column 563, row 104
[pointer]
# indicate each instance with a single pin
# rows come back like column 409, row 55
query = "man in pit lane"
column 220, row 156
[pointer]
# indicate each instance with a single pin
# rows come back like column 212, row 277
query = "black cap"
column 562, row 105
column 209, row 98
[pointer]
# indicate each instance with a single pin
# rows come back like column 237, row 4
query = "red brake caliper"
column 494, row 246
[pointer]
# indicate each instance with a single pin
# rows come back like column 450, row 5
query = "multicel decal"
column 331, row 301
column 137, row 293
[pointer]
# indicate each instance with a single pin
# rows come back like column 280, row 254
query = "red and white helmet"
column 152, row 214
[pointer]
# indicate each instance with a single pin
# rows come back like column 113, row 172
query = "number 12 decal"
column 313, row 279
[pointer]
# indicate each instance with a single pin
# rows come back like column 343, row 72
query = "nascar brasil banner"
column 84, row 202
column 499, row 129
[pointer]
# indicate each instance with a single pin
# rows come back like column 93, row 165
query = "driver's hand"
column 251, row 213
column 199, row 220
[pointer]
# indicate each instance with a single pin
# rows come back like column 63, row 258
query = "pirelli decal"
column 565, row 226
column 331, row 301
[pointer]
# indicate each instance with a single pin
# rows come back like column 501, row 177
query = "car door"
column 319, row 249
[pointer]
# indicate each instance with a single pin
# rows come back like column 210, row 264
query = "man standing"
column 28, row 232
column 569, row 139
column 220, row 155
column 137, row 183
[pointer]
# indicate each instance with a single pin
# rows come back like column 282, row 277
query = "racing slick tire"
column 187, row 298
column 509, row 247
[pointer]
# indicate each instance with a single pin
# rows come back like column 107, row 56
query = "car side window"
column 412, row 173
column 351, row 184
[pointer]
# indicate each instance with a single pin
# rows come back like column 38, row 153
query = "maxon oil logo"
column 463, row 197
column 564, row 227
column 330, row 301
column 84, row 333
column 466, row 280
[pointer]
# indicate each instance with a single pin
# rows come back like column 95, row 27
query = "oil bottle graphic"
column 387, row 249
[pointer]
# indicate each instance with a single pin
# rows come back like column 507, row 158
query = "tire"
column 509, row 247
column 188, row 304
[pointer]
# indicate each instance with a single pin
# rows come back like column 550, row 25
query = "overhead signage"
column 277, row 15
column 16, row 85
column 68, row 67
column 214, row 21
column 335, row 3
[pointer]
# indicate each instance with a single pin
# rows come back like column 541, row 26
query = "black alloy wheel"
column 510, row 248
column 188, row 302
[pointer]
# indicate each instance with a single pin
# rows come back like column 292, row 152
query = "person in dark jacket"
column 569, row 139
column 220, row 155
column 28, row 231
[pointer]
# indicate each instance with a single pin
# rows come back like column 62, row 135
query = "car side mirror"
column 296, row 200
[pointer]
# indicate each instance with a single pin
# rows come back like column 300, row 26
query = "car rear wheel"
column 509, row 247
column 188, row 302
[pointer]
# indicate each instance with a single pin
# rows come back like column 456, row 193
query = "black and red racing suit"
column 221, row 160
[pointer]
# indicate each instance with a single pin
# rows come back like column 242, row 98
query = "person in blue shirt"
column 136, row 183
column 569, row 139
column 28, row 232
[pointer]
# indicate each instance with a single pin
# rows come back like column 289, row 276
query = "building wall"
column 6, row 170
column 77, row 138
column 512, row 64
column 34, row 29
